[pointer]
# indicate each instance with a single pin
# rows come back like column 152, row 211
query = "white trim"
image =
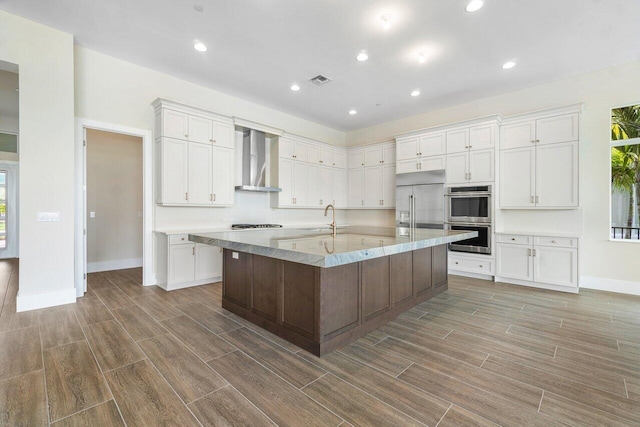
column 183, row 285
column 492, row 119
column 540, row 114
column 469, row 274
column 118, row 264
column 148, row 277
column 45, row 299
column 610, row 285
column 12, row 249
column 570, row 289
column 239, row 121
column 173, row 105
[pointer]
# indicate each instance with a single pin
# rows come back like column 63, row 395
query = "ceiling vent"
column 320, row 80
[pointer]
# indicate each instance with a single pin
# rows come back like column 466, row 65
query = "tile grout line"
column 404, row 370
column 253, row 404
column 540, row 404
column 554, row 352
column 44, row 375
column 448, row 333
column 307, row 385
column 485, row 359
column 444, row 415
column 625, row 387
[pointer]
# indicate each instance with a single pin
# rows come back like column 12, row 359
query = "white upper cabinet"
column 432, row 144
column 373, row 156
column 319, row 155
column 539, row 160
column 313, row 154
column 195, row 156
column 326, row 156
column 339, row 159
column 482, row 137
column 457, row 140
column 482, row 165
column 356, row 159
column 457, row 171
column 289, row 149
column 407, row 149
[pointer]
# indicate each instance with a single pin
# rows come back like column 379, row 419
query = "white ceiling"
column 258, row 48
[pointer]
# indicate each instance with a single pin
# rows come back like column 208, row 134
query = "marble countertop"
column 317, row 247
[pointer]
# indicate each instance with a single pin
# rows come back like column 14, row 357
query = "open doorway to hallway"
column 114, row 201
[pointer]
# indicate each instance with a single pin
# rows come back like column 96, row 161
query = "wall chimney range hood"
column 254, row 162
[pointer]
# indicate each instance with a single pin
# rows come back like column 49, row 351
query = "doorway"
column 110, row 227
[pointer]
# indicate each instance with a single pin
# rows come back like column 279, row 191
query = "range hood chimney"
column 254, row 162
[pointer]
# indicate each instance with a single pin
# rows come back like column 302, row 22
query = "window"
column 625, row 173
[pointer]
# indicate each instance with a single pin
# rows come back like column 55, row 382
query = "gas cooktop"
column 247, row 226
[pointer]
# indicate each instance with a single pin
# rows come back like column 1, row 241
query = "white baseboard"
column 472, row 275
column 610, row 285
column 26, row 302
column 200, row 282
column 118, row 264
column 569, row 289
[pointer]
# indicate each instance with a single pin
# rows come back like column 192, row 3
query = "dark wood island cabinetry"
column 320, row 309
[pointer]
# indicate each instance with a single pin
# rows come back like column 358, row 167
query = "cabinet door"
column 389, row 186
column 432, row 163
column 389, row 154
column 373, row 156
column 175, row 124
column 340, row 159
column 481, row 165
column 557, row 175
column 356, row 188
column 556, row 266
column 340, row 188
column 517, row 183
column 552, row 130
column 313, row 154
column 457, row 141
column 517, row 135
column 285, row 181
column 356, row 159
column 181, row 263
column 407, row 149
column 405, row 166
column 326, row 156
column 514, row 261
column 208, row 262
column 300, row 151
column 482, row 137
column 285, row 149
column 457, row 168
column 200, row 173
column 223, row 135
column 175, row 171
column 326, row 185
column 373, row 187
column 433, row 144
column 313, row 186
column 223, row 167
column 200, row 130
column 300, row 184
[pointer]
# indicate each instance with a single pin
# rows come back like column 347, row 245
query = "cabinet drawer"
column 471, row 265
column 561, row 242
column 175, row 239
column 516, row 239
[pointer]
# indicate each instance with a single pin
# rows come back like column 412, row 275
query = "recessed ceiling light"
column 353, row 112
column 295, row 87
column 362, row 56
column 386, row 21
column 474, row 5
column 199, row 46
column 422, row 58
column 415, row 93
column 509, row 64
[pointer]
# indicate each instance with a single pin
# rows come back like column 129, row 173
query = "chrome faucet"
column 334, row 227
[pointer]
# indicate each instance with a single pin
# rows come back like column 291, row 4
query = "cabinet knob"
column 513, row 238
column 533, row 141
column 186, row 135
column 553, row 241
column 334, row 164
column 456, row 262
column 481, row 266
column 362, row 164
column 211, row 140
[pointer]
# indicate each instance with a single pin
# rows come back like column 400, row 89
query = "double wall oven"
column 469, row 208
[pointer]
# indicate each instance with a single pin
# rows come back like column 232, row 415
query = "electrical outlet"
column 235, row 255
column 92, row 214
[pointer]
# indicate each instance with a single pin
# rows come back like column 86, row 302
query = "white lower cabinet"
column 540, row 261
column 181, row 263
column 460, row 263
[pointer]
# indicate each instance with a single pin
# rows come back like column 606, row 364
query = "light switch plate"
column 49, row 216
column 92, row 214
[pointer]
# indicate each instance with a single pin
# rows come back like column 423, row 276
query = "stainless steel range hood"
column 254, row 162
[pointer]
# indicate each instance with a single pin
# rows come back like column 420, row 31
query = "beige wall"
column 601, row 90
column 45, row 59
column 114, row 193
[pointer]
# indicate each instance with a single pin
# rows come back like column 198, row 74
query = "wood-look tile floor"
column 479, row 354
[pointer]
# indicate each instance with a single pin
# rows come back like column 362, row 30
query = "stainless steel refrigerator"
column 420, row 200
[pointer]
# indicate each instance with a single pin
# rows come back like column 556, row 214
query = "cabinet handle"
column 211, row 197
column 534, row 252
column 537, row 200
column 320, row 201
column 537, row 141
column 470, row 146
column 361, row 202
column 334, row 203
column 186, row 135
column 186, row 196
column 193, row 250
column 214, row 197
column 532, row 199
column 321, row 161
column 529, row 252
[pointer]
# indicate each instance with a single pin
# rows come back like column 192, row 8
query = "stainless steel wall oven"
column 470, row 208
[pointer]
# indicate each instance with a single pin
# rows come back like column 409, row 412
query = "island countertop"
column 317, row 247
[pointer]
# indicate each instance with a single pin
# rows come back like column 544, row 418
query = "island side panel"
column 422, row 271
column 439, row 266
column 266, row 287
column 401, row 269
column 237, row 277
column 299, row 298
column 339, row 300
column 376, row 288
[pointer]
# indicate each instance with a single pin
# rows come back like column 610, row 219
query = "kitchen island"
column 321, row 291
